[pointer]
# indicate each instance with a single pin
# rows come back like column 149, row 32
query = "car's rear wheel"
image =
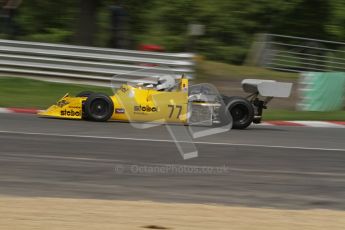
column 98, row 107
column 241, row 110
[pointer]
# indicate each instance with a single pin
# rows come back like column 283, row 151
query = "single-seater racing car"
column 172, row 100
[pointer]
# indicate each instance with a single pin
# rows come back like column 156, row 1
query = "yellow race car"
column 172, row 101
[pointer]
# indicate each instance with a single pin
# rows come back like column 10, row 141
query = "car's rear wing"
column 267, row 88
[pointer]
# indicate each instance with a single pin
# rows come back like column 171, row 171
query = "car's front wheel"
column 84, row 94
column 98, row 107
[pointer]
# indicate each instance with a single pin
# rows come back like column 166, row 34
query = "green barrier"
column 322, row 91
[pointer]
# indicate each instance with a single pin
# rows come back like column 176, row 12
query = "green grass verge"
column 209, row 70
column 27, row 93
column 303, row 115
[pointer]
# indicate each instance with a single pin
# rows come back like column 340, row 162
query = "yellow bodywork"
column 132, row 103
column 66, row 107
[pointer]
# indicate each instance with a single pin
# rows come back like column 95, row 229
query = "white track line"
column 171, row 141
column 62, row 158
column 129, row 163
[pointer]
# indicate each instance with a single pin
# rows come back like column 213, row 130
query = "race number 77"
column 172, row 109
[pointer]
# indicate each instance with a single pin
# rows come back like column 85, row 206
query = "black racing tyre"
column 84, row 94
column 225, row 98
column 241, row 110
column 98, row 107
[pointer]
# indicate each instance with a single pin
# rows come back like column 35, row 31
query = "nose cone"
column 67, row 107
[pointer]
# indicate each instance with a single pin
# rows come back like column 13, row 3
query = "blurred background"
column 227, row 28
column 228, row 40
column 62, row 174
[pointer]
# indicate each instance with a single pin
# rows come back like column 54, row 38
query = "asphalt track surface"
column 263, row 166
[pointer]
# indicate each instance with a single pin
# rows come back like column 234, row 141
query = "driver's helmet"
column 166, row 82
